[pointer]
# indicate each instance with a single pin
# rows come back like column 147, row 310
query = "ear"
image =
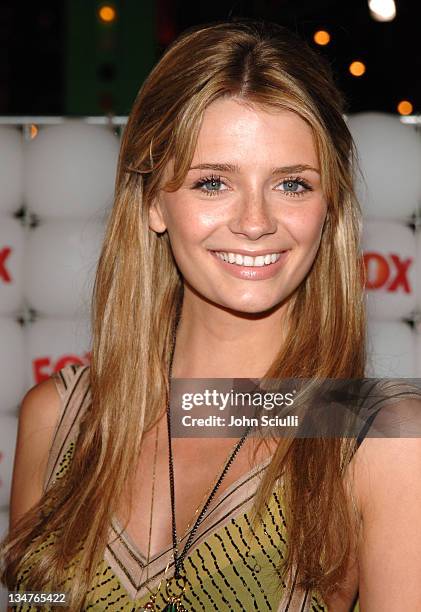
column 156, row 217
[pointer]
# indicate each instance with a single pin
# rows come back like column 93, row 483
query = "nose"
column 253, row 217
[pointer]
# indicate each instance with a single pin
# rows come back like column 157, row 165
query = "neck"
column 215, row 342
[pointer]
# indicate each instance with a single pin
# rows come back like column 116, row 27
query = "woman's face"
column 246, row 224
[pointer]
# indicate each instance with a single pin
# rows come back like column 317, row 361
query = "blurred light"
column 107, row 13
column 405, row 107
column 321, row 37
column 34, row 131
column 382, row 10
column 357, row 69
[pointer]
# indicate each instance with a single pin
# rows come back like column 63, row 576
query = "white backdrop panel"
column 8, row 432
column 11, row 169
column 70, row 169
column 418, row 350
column 12, row 364
column 418, row 270
column 61, row 263
column 390, row 349
column 53, row 343
column 390, row 158
column 389, row 254
column 12, row 246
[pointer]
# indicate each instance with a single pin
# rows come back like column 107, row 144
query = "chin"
column 251, row 307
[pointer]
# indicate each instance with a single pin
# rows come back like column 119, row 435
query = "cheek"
column 189, row 224
column 306, row 224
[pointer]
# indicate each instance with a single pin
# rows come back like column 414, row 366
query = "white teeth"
column 247, row 260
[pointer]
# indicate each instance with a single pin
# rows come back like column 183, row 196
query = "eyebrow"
column 235, row 169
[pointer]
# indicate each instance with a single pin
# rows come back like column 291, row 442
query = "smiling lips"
column 264, row 266
column 248, row 260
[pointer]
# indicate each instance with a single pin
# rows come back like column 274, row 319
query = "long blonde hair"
column 138, row 292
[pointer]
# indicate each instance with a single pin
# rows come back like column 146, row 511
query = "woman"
column 232, row 251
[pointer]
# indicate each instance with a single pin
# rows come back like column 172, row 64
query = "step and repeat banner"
column 56, row 190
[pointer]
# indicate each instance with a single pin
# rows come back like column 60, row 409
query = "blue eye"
column 209, row 185
column 291, row 185
column 295, row 186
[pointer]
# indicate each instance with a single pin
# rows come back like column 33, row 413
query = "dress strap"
column 388, row 402
column 63, row 379
column 73, row 386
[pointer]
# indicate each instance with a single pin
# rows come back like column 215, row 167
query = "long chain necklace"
column 150, row 605
column 174, row 599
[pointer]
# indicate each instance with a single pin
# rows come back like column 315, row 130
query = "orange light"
column 33, row 131
column 107, row 13
column 405, row 107
column 357, row 69
column 321, row 37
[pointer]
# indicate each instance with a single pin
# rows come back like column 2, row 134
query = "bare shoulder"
column 384, row 465
column 40, row 406
column 387, row 480
column 391, row 449
column 38, row 417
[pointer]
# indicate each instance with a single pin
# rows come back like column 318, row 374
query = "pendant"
column 174, row 599
column 174, row 606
